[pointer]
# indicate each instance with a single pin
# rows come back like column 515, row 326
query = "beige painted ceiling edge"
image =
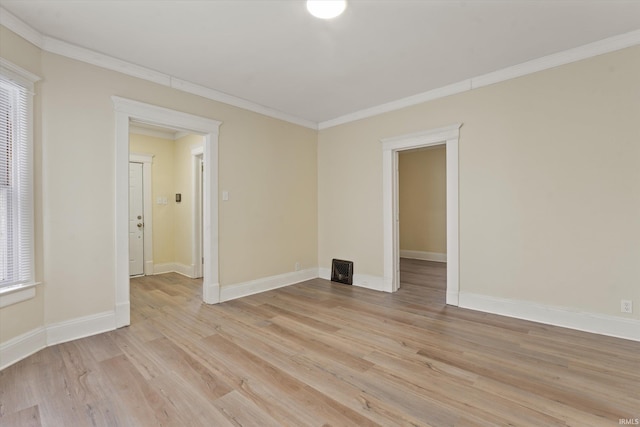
column 53, row 45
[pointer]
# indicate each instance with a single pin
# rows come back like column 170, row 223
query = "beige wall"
column 171, row 173
column 549, row 185
column 26, row 316
column 272, row 204
column 162, row 185
column 422, row 195
column 183, row 224
column 269, row 167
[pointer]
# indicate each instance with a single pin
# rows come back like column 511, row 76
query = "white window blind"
column 16, row 186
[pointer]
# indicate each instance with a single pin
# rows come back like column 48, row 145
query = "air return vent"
column 342, row 271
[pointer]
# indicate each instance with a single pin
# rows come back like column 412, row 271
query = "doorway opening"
column 447, row 136
column 422, row 221
column 170, row 224
column 126, row 111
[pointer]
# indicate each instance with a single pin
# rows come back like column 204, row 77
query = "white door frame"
column 196, row 209
column 449, row 137
column 125, row 111
column 147, row 233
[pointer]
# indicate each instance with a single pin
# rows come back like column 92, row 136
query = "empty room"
column 319, row 213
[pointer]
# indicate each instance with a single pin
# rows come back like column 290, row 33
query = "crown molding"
column 420, row 98
column 60, row 47
column 579, row 53
column 89, row 56
column 225, row 98
column 10, row 21
column 590, row 50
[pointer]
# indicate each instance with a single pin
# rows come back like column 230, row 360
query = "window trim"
column 12, row 294
column 21, row 77
column 17, row 293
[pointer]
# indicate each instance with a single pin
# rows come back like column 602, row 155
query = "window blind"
column 16, row 187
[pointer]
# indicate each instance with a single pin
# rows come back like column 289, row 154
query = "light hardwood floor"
column 323, row 354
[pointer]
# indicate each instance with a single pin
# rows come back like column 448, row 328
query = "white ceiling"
column 273, row 53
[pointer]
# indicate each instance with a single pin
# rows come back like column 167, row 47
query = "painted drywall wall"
column 272, row 198
column 162, row 177
column 549, row 185
column 171, row 173
column 562, row 137
column 23, row 317
column 250, row 247
column 183, row 224
column 422, row 199
column 269, row 167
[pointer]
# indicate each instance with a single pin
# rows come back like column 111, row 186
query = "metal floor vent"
column 342, row 271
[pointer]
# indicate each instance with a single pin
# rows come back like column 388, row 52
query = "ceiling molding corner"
column 12, row 22
column 409, row 101
column 235, row 101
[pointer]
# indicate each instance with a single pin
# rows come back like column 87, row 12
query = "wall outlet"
column 626, row 306
column 297, row 266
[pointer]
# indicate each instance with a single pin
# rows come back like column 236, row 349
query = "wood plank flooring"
column 323, row 354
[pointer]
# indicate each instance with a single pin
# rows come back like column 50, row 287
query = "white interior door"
column 136, row 220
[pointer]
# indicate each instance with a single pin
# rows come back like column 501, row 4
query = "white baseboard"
column 266, row 284
column 81, row 327
column 168, row 267
column 148, row 268
column 174, row 267
column 375, row 283
column 426, row 256
column 185, row 270
column 453, row 298
column 123, row 314
column 370, row 282
column 33, row 341
column 22, row 346
column 602, row 324
column 211, row 293
column 324, row 273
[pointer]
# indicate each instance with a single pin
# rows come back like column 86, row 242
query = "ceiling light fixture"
column 326, row 9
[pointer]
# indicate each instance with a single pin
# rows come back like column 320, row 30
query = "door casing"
column 125, row 111
column 196, row 209
column 448, row 136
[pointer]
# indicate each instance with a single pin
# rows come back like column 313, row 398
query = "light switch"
column 225, row 195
